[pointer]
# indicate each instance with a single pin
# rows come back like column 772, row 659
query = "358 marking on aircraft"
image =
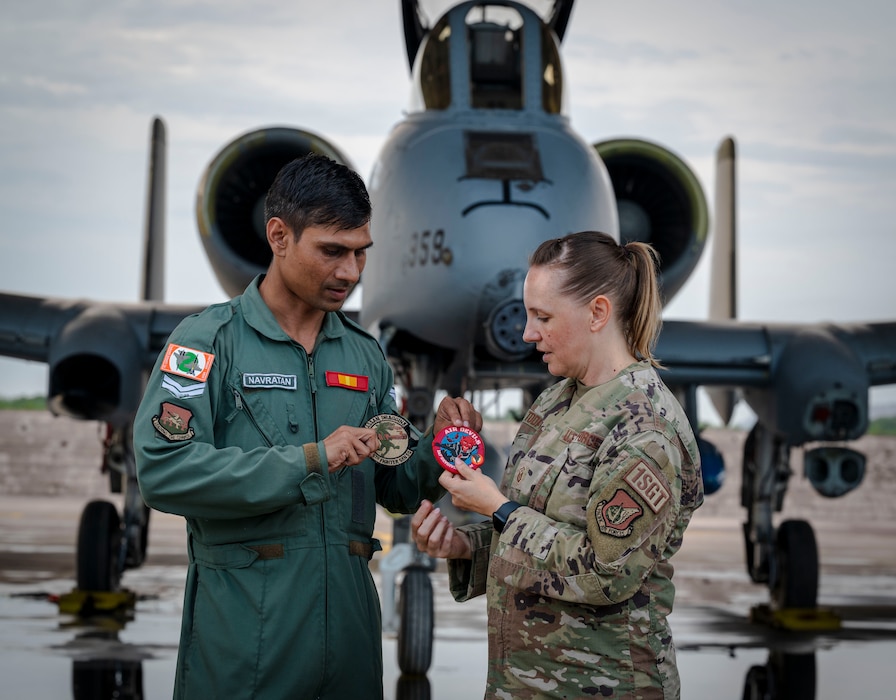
column 428, row 247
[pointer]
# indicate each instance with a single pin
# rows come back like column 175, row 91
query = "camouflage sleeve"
column 466, row 577
column 632, row 508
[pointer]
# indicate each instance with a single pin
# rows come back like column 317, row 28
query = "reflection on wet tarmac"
column 720, row 654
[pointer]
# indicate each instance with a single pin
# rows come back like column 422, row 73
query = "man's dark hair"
column 316, row 191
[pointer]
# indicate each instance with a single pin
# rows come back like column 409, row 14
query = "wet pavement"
column 721, row 655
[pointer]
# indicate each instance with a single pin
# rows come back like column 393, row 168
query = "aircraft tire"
column 756, row 684
column 99, row 547
column 415, row 630
column 795, row 584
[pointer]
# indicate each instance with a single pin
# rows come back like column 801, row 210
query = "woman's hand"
column 472, row 490
column 435, row 535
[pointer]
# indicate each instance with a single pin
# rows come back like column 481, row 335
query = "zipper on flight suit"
column 240, row 406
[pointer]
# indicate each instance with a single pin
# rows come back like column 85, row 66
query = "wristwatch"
column 499, row 517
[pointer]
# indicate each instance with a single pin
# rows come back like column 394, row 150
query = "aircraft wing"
column 98, row 353
column 810, row 382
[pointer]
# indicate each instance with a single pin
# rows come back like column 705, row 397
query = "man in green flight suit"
column 252, row 428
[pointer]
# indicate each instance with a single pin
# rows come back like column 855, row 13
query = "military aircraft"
column 484, row 167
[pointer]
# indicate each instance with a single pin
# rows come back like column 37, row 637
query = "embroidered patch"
column 270, row 381
column 616, row 516
column 182, row 392
column 358, row 382
column 648, row 485
column 533, row 419
column 392, row 432
column 173, row 422
column 187, row 362
column 458, row 443
column 588, row 439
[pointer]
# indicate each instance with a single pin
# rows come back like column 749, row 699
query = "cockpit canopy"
column 497, row 55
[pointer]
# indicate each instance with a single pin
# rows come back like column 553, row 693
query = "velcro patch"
column 182, row 392
column 616, row 517
column 270, row 381
column 173, row 422
column 533, row 419
column 648, row 485
column 588, row 439
column 187, row 362
column 358, row 382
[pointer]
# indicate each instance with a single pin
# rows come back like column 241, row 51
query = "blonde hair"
column 592, row 263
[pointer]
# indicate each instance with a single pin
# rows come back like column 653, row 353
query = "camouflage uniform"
column 579, row 583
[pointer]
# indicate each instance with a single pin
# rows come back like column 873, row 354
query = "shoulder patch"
column 649, row 485
column 173, row 422
column 187, row 362
column 616, row 516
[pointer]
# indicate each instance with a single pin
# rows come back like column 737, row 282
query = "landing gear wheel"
column 756, row 684
column 795, row 583
column 99, row 547
column 416, row 622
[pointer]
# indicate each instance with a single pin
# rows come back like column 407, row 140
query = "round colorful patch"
column 394, row 436
column 453, row 442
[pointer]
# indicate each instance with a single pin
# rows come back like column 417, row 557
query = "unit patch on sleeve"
column 187, row 362
column 358, row 382
column 648, row 485
column 617, row 516
column 173, row 422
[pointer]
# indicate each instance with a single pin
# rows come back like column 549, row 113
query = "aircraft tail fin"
column 723, row 271
column 152, row 286
column 723, row 279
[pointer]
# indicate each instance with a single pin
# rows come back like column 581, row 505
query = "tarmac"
column 721, row 654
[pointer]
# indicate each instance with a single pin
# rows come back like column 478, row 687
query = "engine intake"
column 230, row 200
column 659, row 201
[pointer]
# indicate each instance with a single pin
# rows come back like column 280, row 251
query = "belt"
column 228, row 555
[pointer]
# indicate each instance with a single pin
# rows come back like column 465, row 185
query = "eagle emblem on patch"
column 173, row 422
column 616, row 516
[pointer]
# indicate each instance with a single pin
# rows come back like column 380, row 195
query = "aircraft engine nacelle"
column 230, row 200
column 659, row 201
column 834, row 471
column 95, row 367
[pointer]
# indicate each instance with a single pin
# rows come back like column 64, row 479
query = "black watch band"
column 499, row 517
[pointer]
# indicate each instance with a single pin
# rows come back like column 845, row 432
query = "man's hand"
column 472, row 490
column 457, row 412
column 347, row 446
column 435, row 535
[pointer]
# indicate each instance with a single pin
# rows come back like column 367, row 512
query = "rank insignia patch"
column 173, row 422
column 616, row 516
column 392, row 432
column 182, row 392
column 187, row 362
column 648, row 485
column 358, row 382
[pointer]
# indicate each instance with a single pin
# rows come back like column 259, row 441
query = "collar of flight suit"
column 259, row 316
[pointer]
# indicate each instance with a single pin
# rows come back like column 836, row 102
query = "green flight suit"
column 279, row 600
column 579, row 583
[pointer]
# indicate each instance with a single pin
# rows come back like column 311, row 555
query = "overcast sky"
column 806, row 88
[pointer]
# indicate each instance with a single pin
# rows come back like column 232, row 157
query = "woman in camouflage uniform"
column 601, row 482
